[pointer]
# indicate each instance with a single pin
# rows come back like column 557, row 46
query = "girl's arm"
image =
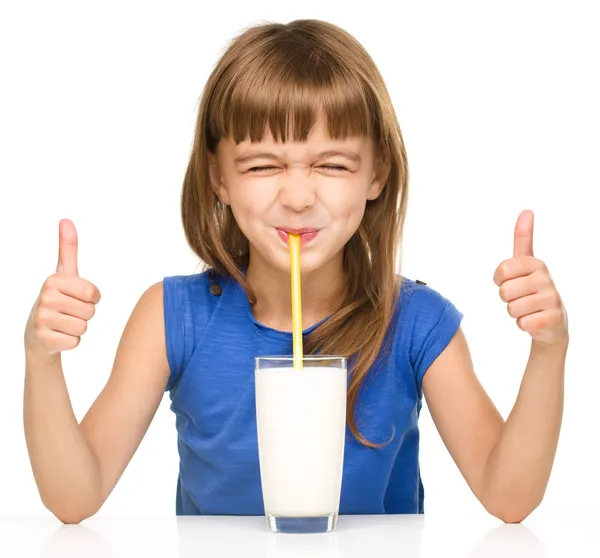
column 506, row 465
column 76, row 466
column 519, row 465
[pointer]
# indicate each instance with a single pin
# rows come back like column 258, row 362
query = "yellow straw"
column 294, row 242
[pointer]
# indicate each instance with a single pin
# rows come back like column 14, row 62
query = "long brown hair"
column 283, row 75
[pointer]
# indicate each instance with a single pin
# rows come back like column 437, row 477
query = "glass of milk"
column 301, row 425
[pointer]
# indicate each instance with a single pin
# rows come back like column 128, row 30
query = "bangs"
column 287, row 89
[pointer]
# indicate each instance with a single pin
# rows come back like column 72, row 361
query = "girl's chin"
column 308, row 263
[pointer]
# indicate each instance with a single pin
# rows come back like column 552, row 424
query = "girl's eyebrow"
column 329, row 153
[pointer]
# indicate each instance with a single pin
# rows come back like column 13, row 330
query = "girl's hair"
column 283, row 76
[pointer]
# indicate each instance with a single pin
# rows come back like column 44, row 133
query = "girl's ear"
column 216, row 179
column 380, row 176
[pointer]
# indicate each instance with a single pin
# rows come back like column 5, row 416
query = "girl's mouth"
column 306, row 235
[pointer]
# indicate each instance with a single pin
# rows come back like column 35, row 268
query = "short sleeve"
column 178, row 326
column 435, row 321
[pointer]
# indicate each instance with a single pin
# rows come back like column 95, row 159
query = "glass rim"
column 307, row 357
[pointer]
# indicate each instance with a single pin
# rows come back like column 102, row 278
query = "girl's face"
column 318, row 188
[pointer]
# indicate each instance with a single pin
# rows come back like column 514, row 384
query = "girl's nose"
column 297, row 192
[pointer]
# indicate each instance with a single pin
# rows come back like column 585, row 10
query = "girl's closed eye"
column 258, row 169
column 338, row 168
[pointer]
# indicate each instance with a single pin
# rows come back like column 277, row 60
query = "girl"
column 296, row 133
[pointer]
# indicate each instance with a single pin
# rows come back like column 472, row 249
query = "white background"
column 498, row 104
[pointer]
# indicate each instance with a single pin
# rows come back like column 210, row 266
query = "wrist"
column 37, row 360
column 559, row 345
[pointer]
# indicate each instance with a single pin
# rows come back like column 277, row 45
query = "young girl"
column 296, row 133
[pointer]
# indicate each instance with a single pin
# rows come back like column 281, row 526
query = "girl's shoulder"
column 200, row 284
column 419, row 297
column 189, row 302
column 426, row 321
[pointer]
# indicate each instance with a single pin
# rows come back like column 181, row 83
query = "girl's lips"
column 304, row 237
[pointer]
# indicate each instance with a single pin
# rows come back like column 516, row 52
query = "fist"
column 526, row 286
column 65, row 304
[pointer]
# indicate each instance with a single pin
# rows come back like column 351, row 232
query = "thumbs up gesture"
column 65, row 304
column 526, row 285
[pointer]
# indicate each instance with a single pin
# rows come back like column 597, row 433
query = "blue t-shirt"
column 212, row 339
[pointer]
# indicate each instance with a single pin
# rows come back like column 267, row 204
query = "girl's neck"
column 320, row 292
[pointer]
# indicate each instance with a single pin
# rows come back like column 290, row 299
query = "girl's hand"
column 65, row 304
column 526, row 285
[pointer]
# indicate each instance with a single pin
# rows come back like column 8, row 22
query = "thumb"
column 524, row 235
column 67, row 248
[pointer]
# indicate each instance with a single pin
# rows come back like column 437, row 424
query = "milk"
column 301, row 421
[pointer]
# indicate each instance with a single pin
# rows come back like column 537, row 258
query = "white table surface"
column 375, row 536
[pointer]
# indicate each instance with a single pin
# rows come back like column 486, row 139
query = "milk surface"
column 301, row 421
